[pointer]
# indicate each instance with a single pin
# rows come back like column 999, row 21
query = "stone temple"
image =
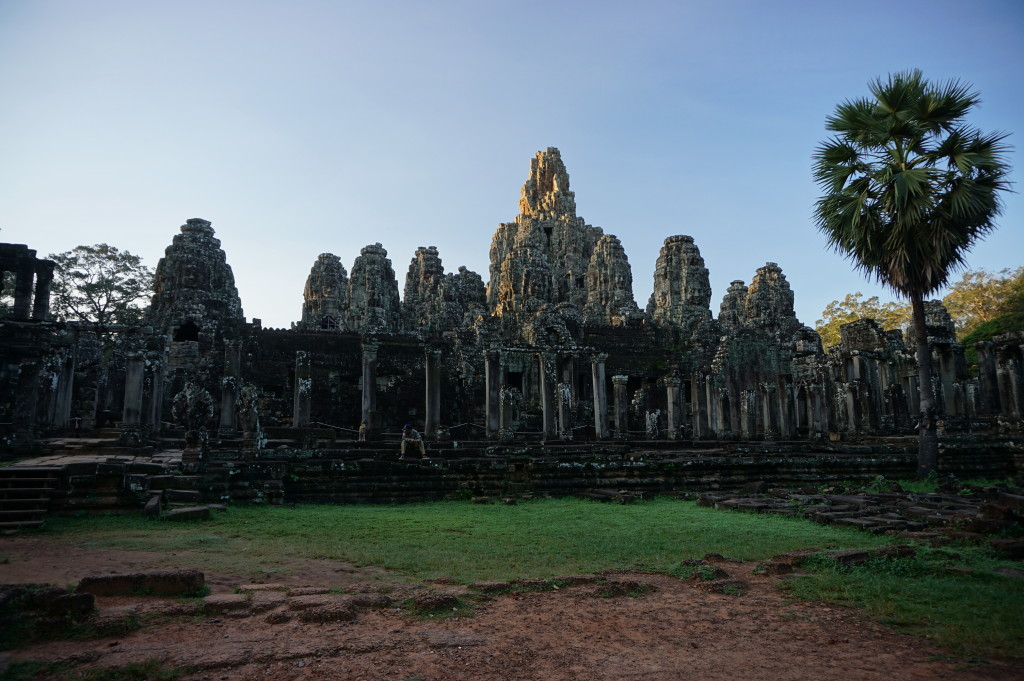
column 550, row 365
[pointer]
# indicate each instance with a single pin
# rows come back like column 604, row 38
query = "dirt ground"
column 677, row 631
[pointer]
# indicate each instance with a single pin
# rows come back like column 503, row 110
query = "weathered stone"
column 218, row 604
column 194, row 292
column 188, row 513
column 75, row 606
column 433, row 602
column 373, row 304
column 326, row 295
column 159, row 583
column 338, row 611
column 610, row 285
column 267, row 600
column 542, row 257
column 724, row 586
column 682, row 286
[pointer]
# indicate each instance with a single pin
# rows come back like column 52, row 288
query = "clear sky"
column 309, row 126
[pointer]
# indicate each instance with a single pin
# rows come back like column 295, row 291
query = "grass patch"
column 952, row 595
column 473, row 542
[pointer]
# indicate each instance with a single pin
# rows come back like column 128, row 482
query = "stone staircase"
column 25, row 495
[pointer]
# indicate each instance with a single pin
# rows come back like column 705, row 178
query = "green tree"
column 981, row 296
column 890, row 315
column 100, row 285
column 908, row 187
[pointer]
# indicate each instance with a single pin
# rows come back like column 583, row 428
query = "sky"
column 307, row 126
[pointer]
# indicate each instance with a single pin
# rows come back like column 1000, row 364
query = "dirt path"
column 677, row 631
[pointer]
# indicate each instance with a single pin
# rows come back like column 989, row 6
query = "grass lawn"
column 541, row 538
column 951, row 594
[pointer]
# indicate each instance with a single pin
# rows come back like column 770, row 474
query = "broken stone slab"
column 1011, row 548
column 724, row 586
column 267, row 600
column 371, row 601
column 321, row 600
column 773, row 568
column 341, row 610
column 154, row 506
column 188, row 496
column 308, row 591
column 576, row 580
column 452, row 639
column 251, row 588
column 219, row 604
column 491, row 587
column 159, row 583
column 188, row 513
column 74, row 606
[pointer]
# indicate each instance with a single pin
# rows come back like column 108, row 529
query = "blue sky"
column 306, row 127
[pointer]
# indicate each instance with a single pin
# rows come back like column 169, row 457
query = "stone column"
column 44, row 277
column 369, row 412
column 748, row 414
column 674, row 412
column 1010, row 378
column 65, row 384
column 621, row 406
column 568, row 376
column 156, row 399
column 303, row 391
column 229, row 389
column 988, row 388
column 699, row 407
column 135, row 368
column 492, row 377
column 600, row 395
column 564, row 397
column 547, row 398
column 432, row 379
column 23, row 277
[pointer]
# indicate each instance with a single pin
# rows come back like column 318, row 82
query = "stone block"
column 160, row 583
column 575, row 580
column 160, row 481
column 267, row 600
column 153, row 506
column 251, row 588
column 223, row 603
column 724, row 586
column 371, row 601
column 173, row 582
column 188, row 513
column 312, row 601
column 75, row 606
column 184, row 496
column 308, row 591
column 773, row 568
column 339, row 611
column 109, row 585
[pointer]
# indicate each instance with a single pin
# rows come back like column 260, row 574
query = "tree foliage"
column 100, row 285
column 890, row 315
column 981, row 297
column 908, row 187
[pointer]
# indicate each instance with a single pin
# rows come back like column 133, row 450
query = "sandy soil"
column 677, row 631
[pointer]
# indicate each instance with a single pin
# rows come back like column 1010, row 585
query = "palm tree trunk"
column 927, row 438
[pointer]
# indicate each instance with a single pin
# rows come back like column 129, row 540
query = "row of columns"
column 31, row 276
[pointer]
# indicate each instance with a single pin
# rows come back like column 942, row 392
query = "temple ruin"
column 549, row 361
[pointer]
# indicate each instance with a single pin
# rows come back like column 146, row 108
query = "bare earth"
column 678, row 631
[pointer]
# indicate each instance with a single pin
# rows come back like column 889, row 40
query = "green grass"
column 541, row 538
column 951, row 595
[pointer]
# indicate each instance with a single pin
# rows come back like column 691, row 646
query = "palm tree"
column 908, row 189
